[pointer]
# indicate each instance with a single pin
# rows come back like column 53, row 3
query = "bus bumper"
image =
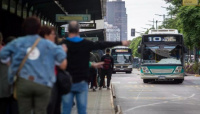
column 122, row 70
column 172, row 76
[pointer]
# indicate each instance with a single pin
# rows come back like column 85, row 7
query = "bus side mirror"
column 139, row 49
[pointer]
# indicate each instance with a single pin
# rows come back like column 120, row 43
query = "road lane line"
column 164, row 102
column 139, row 95
column 176, row 95
column 116, row 82
column 192, row 96
column 132, row 82
column 146, row 106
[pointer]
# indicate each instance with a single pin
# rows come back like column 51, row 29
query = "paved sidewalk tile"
column 99, row 102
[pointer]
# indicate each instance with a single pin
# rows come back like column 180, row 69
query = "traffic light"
column 132, row 32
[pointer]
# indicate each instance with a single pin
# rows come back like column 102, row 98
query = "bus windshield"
column 162, row 55
column 122, row 58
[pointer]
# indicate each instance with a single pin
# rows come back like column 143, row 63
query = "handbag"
column 21, row 66
column 64, row 81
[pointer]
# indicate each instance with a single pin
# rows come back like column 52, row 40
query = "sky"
column 141, row 12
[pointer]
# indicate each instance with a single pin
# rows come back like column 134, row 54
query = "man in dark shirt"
column 107, row 69
column 78, row 66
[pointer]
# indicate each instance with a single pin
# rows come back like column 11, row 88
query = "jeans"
column 80, row 92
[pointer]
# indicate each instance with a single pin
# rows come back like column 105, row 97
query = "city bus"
column 162, row 56
column 122, row 59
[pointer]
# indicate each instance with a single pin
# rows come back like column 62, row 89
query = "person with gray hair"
column 78, row 66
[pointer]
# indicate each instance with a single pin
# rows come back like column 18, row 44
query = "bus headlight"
column 130, row 66
column 114, row 67
column 178, row 69
column 145, row 70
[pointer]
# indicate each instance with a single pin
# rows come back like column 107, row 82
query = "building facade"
column 116, row 15
column 112, row 32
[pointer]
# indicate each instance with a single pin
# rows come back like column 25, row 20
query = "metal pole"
column 164, row 18
column 156, row 24
column 153, row 24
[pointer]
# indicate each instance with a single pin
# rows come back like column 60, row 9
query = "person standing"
column 107, row 69
column 78, row 66
column 5, row 87
column 36, row 78
column 8, row 105
column 49, row 33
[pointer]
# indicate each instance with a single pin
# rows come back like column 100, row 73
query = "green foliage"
column 189, row 17
column 134, row 46
column 186, row 19
column 195, row 67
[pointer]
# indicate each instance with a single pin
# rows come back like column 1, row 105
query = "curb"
column 113, row 91
column 197, row 75
column 118, row 110
column 112, row 102
column 187, row 74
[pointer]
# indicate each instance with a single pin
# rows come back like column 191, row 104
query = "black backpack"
column 64, row 81
column 107, row 61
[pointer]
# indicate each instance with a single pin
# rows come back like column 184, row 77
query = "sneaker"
column 104, row 86
column 108, row 88
column 100, row 88
column 94, row 90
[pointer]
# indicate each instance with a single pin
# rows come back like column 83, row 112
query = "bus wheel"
column 129, row 72
column 179, row 81
column 145, row 80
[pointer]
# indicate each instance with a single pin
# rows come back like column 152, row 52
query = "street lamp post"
column 157, row 23
column 161, row 15
column 166, row 8
column 153, row 23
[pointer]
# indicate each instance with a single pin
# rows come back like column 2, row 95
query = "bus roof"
column 120, row 47
column 163, row 31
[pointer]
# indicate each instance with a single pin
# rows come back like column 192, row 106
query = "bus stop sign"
column 75, row 17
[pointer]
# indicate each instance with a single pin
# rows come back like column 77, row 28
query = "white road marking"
column 176, row 95
column 116, row 82
column 192, row 96
column 152, row 104
column 139, row 95
column 132, row 82
column 146, row 105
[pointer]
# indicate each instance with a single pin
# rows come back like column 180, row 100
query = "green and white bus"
column 162, row 56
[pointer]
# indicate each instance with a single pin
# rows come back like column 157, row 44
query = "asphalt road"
column 135, row 97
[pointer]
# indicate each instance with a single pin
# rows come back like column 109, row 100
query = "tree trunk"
column 190, row 56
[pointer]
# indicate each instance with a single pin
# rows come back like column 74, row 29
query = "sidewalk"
column 99, row 102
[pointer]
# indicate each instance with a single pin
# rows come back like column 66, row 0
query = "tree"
column 134, row 46
column 186, row 20
column 189, row 17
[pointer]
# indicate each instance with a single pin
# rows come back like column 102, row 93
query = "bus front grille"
column 162, row 70
column 121, row 66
